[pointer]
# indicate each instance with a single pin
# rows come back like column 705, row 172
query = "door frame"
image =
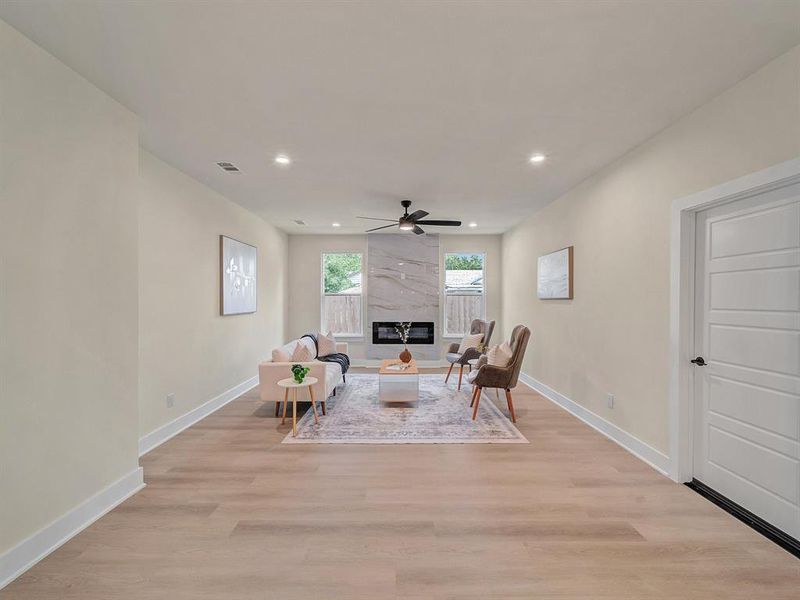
column 682, row 274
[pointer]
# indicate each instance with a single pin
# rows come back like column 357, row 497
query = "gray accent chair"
column 490, row 376
column 453, row 356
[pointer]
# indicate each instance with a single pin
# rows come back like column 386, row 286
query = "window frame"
column 323, row 295
column 448, row 334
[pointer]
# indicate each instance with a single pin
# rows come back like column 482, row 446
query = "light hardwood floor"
column 230, row 513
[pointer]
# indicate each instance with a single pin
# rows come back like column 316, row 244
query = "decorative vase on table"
column 405, row 355
column 403, row 330
column 299, row 373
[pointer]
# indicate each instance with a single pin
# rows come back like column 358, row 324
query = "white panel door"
column 747, row 329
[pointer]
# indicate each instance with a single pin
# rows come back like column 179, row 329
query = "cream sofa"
column 328, row 374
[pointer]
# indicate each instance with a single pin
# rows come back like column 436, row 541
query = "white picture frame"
column 554, row 275
column 238, row 270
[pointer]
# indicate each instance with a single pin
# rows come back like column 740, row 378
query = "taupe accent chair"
column 453, row 356
column 490, row 376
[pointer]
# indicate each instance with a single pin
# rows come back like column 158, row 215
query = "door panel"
column 747, row 327
column 756, row 347
column 756, row 405
column 772, row 290
column 764, row 231
column 765, row 468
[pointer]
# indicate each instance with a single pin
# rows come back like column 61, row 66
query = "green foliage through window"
column 341, row 272
column 463, row 262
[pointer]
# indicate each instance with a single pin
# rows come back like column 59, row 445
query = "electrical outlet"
column 610, row 400
column 170, row 400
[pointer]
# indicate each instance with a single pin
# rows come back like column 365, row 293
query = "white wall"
column 68, row 299
column 305, row 272
column 614, row 336
column 185, row 347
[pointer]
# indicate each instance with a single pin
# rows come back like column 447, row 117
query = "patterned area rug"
column 441, row 416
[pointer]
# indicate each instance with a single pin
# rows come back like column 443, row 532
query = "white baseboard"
column 28, row 552
column 655, row 458
column 174, row 427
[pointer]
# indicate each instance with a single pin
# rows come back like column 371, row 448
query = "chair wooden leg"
column 285, row 402
column 511, row 406
column 450, row 370
column 460, row 375
column 474, row 393
column 323, row 408
column 477, row 403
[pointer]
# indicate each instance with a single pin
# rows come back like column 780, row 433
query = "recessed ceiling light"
column 538, row 158
column 336, row 224
column 283, row 160
column 473, row 224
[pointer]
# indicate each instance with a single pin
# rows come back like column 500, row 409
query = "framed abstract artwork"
column 554, row 275
column 238, row 277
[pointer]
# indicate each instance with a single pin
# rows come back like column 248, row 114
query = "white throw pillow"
column 280, row 355
column 302, row 353
column 326, row 344
column 500, row 355
column 471, row 340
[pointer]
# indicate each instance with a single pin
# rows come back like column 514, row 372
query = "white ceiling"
column 439, row 102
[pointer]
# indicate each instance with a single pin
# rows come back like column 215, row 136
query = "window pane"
column 343, row 314
column 341, row 299
column 464, row 291
column 342, row 273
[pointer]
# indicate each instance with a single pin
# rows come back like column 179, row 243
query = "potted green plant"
column 299, row 372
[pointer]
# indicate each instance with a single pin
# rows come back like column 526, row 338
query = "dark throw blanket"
column 337, row 357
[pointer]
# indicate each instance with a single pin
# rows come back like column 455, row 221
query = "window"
column 464, row 292
column 341, row 294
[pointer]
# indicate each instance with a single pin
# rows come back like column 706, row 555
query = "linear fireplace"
column 384, row 332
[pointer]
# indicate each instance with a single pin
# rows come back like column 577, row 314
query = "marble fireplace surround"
column 403, row 285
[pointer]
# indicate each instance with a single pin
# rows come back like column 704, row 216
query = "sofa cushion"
column 471, row 340
column 281, row 355
column 302, row 353
column 286, row 350
column 500, row 355
column 326, row 344
column 453, row 357
column 334, row 370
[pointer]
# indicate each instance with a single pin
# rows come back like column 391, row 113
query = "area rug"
column 441, row 416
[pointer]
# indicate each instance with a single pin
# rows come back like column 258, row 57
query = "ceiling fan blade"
column 441, row 223
column 418, row 230
column 417, row 214
column 377, row 219
column 384, row 227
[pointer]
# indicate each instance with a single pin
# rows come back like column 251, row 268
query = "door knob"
column 699, row 361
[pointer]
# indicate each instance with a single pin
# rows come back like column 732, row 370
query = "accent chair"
column 491, row 376
column 456, row 358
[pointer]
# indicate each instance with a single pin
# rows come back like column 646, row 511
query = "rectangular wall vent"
column 230, row 167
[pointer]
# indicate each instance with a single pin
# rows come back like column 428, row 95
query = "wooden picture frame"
column 554, row 275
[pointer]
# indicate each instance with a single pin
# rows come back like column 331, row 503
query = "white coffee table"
column 290, row 384
column 396, row 385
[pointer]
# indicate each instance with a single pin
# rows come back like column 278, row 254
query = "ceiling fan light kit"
column 412, row 222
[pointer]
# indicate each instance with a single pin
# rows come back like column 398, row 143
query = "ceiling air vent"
column 230, row 167
column 299, row 221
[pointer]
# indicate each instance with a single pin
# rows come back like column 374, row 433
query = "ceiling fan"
column 412, row 222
